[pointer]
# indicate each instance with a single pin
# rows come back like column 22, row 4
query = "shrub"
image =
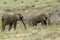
column 56, row 10
column 58, row 0
column 5, row 2
column 43, row 0
column 8, row 10
column 58, row 14
column 21, row 1
column 36, row 0
column 14, row 9
column 18, row 9
column 15, row 0
column 49, row 5
column 33, row 5
column 27, row 6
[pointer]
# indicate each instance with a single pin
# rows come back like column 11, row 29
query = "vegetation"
column 19, row 3
column 32, row 33
column 30, row 7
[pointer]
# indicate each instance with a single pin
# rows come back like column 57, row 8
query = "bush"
column 5, row 2
column 56, row 10
column 36, row 0
column 27, row 6
column 48, row 5
column 58, row 0
column 18, row 9
column 13, row 9
column 15, row 0
column 21, row 1
column 8, row 10
column 33, row 5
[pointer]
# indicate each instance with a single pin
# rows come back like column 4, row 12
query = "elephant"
column 40, row 18
column 11, row 19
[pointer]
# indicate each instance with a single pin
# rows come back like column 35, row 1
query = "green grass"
column 4, row 4
column 30, row 5
column 32, row 33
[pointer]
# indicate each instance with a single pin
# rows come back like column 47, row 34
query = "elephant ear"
column 16, row 16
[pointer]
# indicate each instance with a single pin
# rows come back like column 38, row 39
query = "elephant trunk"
column 23, row 23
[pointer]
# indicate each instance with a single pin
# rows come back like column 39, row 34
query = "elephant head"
column 20, row 17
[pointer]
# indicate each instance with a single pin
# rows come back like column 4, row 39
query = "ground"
column 31, row 33
column 29, row 7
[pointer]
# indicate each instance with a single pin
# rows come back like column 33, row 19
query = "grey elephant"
column 40, row 18
column 11, row 19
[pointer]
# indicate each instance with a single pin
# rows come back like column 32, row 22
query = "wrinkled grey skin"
column 11, row 19
column 42, row 18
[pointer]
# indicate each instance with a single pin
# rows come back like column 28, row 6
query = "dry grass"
column 32, row 33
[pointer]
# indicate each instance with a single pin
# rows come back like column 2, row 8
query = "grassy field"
column 32, row 33
column 20, row 4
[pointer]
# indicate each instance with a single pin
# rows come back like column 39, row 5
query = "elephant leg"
column 15, row 23
column 35, row 24
column 42, row 23
column 3, row 26
column 45, row 22
column 24, row 24
column 49, row 22
column 10, row 26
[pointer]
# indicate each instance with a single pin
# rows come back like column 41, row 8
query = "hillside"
column 18, row 4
